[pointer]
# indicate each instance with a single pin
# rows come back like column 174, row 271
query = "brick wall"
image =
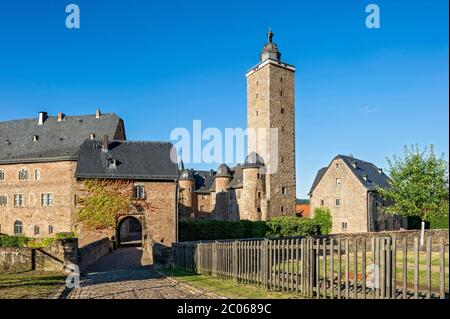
column 56, row 178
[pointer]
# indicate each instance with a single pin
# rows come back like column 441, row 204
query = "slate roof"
column 134, row 160
column 55, row 140
column 375, row 178
column 205, row 180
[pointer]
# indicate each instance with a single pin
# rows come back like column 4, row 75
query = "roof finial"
column 181, row 166
column 270, row 35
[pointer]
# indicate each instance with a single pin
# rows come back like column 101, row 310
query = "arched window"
column 18, row 227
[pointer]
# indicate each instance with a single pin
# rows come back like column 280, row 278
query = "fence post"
column 442, row 268
column 235, row 260
column 265, row 263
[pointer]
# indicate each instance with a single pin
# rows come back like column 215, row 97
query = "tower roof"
column 270, row 49
column 223, row 171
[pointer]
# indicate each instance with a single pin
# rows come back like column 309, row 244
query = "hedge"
column 192, row 230
column 7, row 241
column 13, row 241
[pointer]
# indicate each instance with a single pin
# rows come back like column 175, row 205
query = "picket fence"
column 355, row 268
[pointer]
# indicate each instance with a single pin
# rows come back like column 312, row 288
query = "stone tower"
column 187, row 185
column 271, row 115
column 222, row 181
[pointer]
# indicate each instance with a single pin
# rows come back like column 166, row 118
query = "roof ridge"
column 56, row 116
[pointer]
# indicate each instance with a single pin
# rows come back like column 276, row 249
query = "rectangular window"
column 37, row 174
column 3, row 200
column 344, row 225
column 338, row 202
column 19, row 200
column 23, row 175
column 50, row 229
column 36, row 230
column 2, row 175
column 46, row 199
column 338, row 181
column 139, row 192
column 284, row 191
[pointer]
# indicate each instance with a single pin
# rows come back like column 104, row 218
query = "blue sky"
column 162, row 64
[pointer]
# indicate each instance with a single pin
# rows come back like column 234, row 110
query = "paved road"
column 121, row 275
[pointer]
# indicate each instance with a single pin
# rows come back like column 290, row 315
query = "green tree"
column 322, row 216
column 419, row 185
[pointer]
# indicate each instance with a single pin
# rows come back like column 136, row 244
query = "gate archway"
column 129, row 231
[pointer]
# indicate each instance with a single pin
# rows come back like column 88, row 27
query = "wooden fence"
column 379, row 268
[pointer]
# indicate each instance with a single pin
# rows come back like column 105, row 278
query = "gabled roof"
column 23, row 141
column 376, row 178
column 318, row 178
column 133, row 160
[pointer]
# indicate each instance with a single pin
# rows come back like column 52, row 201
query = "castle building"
column 44, row 162
column 264, row 186
column 348, row 187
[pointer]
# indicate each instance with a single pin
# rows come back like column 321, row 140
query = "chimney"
column 60, row 117
column 42, row 118
column 97, row 114
column 105, row 143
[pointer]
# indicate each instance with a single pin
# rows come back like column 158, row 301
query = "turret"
column 253, row 191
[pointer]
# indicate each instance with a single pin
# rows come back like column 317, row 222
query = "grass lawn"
column 228, row 288
column 30, row 285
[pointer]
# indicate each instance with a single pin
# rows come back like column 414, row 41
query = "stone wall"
column 436, row 235
column 161, row 218
column 56, row 178
column 52, row 258
column 91, row 253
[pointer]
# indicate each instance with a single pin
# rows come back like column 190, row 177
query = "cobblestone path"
column 121, row 275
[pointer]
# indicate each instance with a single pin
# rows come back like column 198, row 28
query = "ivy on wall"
column 105, row 201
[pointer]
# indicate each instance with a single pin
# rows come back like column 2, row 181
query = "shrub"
column 439, row 221
column 40, row 242
column 65, row 235
column 292, row 226
column 322, row 216
column 13, row 241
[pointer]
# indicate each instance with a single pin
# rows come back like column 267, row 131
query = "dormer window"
column 92, row 136
column 35, row 138
column 112, row 163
